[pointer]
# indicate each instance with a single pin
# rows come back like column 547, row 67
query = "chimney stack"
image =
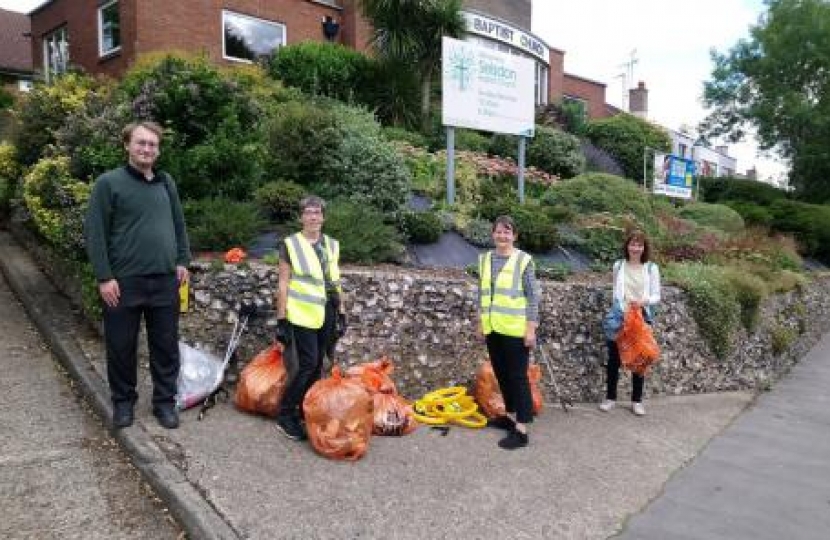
column 638, row 100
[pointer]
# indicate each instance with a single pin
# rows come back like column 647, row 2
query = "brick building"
column 15, row 51
column 105, row 37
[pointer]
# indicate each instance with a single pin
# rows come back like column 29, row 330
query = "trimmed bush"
column 220, row 224
column 717, row 216
column 753, row 214
column 325, row 69
column 422, row 227
column 809, row 223
column 715, row 190
column 280, row 200
column 596, row 192
column 551, row 150
column 339, row 150
column 363, row 235
column 626, row 137
column 57, row 203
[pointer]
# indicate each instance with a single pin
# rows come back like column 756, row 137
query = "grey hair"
column 312, row 201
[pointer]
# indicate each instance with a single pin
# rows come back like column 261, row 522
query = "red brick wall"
column 591, row 91
column 555, row 75
column 81, row 20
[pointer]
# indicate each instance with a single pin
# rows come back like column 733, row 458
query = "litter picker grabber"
column 542, row 357
column 247, row 310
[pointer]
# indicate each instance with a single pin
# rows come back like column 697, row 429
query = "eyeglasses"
column 312, row 211
column 148, row 144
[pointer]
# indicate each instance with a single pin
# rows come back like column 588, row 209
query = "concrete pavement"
column 61, row 474
column 767, row 476
column 233, row 476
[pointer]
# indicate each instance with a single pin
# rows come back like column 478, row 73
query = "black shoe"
column 501, row 422
column 291, row 428
column 122, row 415
column 515, row 439
column 168, row 418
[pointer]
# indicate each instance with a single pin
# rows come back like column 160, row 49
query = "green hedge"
column 626, row 138
column 326, row 69
column 809, row 223
column 717, row 216
column 551, row 150
column 364, row 236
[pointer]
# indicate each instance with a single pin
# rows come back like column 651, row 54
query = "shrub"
column 717, row 216
column 596, row 192
column 601, row 240
column 568, row 116
column 715, row 190
column 9, row 174
column 712, row 300
column 219, row 224
column 750, row 291
column 626, row 138
column 556, row 152
column 280, row 200
column 57, row 203
column 364, row 237
column 752, row 213
column 537, row 231
column 553, row 271
column 422, row 227
column 478, row 232
column 400, row 134
column 468, row 139
column 598, row 160
column 341, row 150
column 326, row 69
column 781, row 337
column 212, row 124
column 810, row 223
column 393, row 91
column 44, row 110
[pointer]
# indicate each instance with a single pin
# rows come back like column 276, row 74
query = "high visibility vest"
column 503, row 306
column 306, row 304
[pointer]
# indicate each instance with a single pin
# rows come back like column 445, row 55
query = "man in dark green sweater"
column 137, row 242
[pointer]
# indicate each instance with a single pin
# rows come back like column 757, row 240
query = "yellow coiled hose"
column 449, row 405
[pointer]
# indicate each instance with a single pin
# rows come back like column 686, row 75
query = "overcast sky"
column 672, row 39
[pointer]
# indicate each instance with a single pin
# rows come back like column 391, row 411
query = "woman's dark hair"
column 507, row 222
column 641, row 236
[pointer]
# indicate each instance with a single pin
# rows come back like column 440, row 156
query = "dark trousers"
column 311, row 346
column 612, row 372
column 510, row 358
column 156, row 298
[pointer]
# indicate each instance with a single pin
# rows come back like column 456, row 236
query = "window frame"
column 227, row 12
column 49, row 70
column 101, row 52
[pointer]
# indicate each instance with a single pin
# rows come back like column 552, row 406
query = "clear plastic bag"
column 199, row 375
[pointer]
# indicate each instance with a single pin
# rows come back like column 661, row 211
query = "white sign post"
column 485, row 90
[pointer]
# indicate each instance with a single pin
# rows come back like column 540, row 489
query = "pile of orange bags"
column 488, row 395
column 636, row 343
column 392, row 414
column 262, row 383
column 338, row 416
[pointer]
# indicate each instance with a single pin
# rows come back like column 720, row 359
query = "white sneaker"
column 607, row 405
column 638, row 409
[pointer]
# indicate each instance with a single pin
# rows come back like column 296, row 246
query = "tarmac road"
column 61, row 474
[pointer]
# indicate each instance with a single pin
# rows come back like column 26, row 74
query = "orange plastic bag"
column 262, row 383
column 375, row 375
column 488, row 395
column 392, row 415
column 636, row 343
column 338, row 416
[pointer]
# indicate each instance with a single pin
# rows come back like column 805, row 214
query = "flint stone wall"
column 425, row 323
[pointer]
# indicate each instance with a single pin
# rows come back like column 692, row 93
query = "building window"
column 541, row 84
column 109, row 28
column 55, row 53
column 681, row 149
column 247, row 39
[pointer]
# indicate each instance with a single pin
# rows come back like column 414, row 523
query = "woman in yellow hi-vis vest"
column 310, row 310
column 508, row 316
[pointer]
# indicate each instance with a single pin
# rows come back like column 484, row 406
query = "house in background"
column 16, row 69
column 105, row 37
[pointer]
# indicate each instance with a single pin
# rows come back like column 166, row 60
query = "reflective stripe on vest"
column 504, row 305
column 306, row 303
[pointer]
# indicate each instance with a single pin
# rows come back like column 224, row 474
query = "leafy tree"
column 625, row 137
column 409, row 32
column 778, row 82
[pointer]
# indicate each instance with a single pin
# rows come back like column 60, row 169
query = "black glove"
column 341, row 325
column 283, row 333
